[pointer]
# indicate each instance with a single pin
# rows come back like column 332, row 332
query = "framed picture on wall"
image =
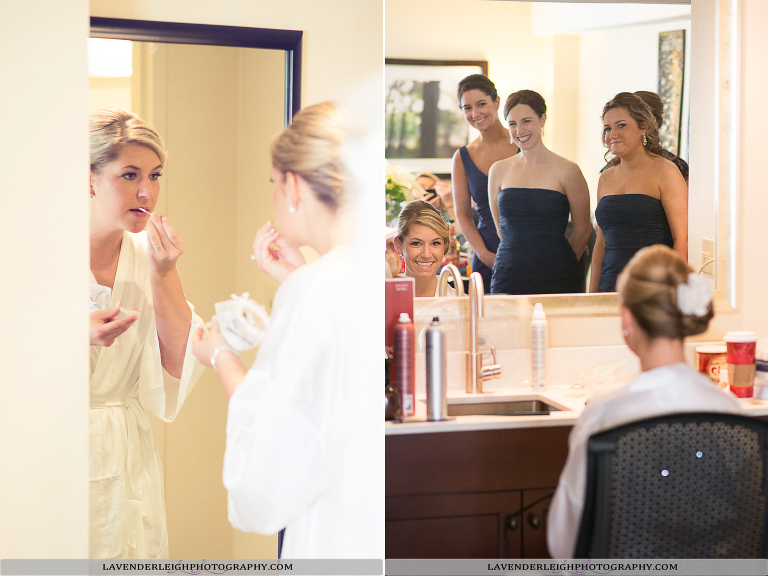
column 671, row 76
column 424, row 121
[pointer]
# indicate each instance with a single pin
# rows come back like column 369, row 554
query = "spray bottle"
column 538, row 348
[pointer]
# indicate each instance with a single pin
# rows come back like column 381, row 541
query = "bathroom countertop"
column 570, row 404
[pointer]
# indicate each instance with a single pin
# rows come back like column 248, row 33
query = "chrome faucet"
column 442, row 283
column 476, row 372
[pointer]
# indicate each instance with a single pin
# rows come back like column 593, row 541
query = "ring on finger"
column 156, row 246
column 254, row 258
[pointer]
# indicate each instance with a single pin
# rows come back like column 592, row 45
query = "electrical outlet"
column 708, row 253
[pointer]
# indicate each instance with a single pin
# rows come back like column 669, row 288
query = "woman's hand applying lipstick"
column 280, row 261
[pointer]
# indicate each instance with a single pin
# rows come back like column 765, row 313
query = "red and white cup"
column 710, row 359
column 740, row 357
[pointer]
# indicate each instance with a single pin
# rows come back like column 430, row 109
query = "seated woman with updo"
column 662, row 302
column 422, row 241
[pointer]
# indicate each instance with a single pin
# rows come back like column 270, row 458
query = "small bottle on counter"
column 437, row 405
column 405, row 361
column 538, row 348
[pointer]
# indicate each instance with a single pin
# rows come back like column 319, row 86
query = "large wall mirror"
column 216, row 95
column 578, row 55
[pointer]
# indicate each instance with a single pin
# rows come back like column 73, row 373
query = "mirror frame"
column 215, row 35
column 726, row 150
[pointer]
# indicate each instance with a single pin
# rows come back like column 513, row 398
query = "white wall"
column 577, row 56
column 613, row 61
column 44, row 263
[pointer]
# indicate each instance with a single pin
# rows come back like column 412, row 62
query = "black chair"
column 677, row 486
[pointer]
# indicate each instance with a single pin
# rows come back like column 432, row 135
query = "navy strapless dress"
column 534, row 256
column 478, row 189
column 629, row 222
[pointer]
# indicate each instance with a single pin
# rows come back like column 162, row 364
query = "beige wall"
column 44, row 263
column 342, row 38
column 218, row 108
column 104, row 92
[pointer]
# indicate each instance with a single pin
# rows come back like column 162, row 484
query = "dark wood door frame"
column 215, row 35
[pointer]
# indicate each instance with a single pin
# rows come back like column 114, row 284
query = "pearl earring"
column 626, row 333
column 645, row 140
column 291, row 209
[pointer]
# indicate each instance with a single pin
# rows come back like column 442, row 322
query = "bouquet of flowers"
column 401, row 187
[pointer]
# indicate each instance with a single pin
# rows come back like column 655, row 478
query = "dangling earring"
column 543, row 132
column 402, row 263
column 645, row 140
column 93, row 194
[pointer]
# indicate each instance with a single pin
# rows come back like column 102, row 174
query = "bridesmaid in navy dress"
column 642, row 199
column 480, row 103
column 531, row 196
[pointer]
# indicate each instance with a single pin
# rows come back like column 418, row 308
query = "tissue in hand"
column 242, row 321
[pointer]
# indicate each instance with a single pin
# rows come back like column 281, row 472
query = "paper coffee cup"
column 710, row 360
column 740, row 358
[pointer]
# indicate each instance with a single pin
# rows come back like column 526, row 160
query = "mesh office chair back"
column 677, row 486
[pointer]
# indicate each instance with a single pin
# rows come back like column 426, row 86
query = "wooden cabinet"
column 480, row 494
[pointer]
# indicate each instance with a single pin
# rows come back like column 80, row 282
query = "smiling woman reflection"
column 293, row 455
column 642, row 199
column 422, row 241
column 141, row 360
column 531, row 195
column 480, row 103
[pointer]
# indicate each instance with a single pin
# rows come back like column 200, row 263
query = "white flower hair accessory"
column 242, row 321
column 694, row 296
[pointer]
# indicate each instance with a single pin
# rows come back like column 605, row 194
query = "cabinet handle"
column 511, row 523
column 533, row 520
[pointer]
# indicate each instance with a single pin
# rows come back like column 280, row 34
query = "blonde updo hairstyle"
column 423, row 213
column 112, row 129
column 648, row 288
column 311, row 148
column 641, row 113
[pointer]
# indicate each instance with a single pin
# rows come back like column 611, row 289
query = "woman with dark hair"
column 662, row 302
column 471, row 163
column 656, row 106
column 642, row 199
column 531, row 195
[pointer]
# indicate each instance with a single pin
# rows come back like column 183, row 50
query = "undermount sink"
column 502, row 408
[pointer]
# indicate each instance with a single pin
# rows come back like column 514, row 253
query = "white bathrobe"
column 298, row 449
column 128, row 385
column 664, row 390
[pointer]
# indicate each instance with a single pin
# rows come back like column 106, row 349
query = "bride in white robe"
column 141, row 362
column 298, row 445
column 662, row 303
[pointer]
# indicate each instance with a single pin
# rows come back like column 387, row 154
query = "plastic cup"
column 740, row 356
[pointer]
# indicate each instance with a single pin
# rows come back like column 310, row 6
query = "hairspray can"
column 405, row 359
column 437, row 407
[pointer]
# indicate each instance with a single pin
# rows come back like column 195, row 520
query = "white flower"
column 694, row 296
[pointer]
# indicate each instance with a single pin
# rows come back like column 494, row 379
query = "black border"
column 215, row 35
column 409, row 62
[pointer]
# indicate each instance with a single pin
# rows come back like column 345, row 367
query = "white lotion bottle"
column 538, row 348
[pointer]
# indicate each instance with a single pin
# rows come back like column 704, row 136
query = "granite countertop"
column 569, row 404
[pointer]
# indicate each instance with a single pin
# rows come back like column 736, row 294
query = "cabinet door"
column 453, row 526
column 534, row 522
